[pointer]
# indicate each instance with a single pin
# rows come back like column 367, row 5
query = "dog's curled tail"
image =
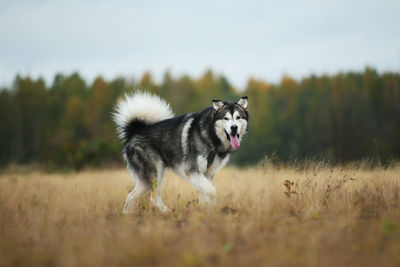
column 137, row 110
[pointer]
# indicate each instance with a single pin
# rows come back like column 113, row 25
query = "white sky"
column 263, row 39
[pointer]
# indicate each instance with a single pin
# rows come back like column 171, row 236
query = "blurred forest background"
column 336, row 118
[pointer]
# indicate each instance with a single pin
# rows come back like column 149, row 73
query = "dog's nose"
column 234, row 128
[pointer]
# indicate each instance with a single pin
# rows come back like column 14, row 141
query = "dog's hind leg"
column 140, row 189
column 147, row 169
column 142, row 170
column 156, row 198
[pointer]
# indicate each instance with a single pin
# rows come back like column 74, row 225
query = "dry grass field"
column 319, row 217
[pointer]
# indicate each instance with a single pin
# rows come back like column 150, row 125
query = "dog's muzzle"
column 233, row 137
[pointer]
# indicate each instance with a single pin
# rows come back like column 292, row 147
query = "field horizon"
column 268, row 216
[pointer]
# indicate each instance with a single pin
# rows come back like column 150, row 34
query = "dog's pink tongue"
column 234, row 141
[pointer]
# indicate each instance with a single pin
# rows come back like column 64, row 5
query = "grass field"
column 320, row 217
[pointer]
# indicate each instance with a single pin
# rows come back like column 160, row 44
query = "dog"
column 194, row 145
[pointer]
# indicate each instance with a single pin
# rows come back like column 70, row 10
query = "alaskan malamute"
column 193, row 145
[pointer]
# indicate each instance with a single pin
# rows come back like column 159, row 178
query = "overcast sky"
column 263, row 39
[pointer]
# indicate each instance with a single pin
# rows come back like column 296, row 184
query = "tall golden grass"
column 266, row 216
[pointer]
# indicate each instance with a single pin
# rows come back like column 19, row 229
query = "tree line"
column 337, row 118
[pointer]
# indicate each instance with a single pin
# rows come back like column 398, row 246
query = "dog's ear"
column 243, row 102
column 217, row 104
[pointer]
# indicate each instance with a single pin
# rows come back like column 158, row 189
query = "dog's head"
column 231, row 121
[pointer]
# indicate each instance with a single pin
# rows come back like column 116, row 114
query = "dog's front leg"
column 206, row 190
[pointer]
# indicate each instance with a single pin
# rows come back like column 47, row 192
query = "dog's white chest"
column 216, row 165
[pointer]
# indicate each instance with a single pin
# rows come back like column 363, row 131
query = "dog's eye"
column 238, row 117
column 226, row 118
